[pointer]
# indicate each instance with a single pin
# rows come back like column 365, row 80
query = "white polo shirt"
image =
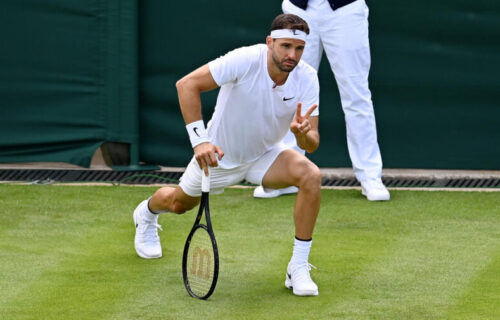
column 252, row 115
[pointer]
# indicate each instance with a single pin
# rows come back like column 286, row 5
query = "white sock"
column 301, row 251
column 146, row 214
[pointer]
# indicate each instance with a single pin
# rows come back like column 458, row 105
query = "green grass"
column 66, row 252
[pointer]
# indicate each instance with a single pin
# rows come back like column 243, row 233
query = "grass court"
column 66, row 252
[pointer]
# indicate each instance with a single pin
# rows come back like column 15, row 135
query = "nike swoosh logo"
column 286, row 99
column 194, row 129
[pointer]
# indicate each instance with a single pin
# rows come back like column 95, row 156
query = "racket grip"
column 205, row 181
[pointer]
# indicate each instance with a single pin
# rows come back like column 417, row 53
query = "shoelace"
column 310, row 266
column 301, row 272
column 150, row 230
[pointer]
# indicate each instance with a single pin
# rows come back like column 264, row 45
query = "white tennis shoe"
column 374, row 190
column 299, row 280
column 261, row 192
column 147, row 241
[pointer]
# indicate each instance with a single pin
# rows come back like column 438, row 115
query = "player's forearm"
column 191, row 108
column 308, row 142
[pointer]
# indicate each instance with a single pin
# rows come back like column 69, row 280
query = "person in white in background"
column 261, row 86
column 340, row 28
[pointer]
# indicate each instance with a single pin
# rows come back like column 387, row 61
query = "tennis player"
column 265, row 90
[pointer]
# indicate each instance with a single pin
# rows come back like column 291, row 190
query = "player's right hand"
column 205, row 155
column 300, row 124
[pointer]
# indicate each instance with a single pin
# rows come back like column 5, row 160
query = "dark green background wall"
column 434, row 78
column 68, row 78
column 77, row 73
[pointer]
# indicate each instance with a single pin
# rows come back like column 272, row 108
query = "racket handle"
column 205, row 181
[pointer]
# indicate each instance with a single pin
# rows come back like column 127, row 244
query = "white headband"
column 289, row 33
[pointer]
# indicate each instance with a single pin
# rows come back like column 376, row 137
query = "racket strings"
column 200, row 263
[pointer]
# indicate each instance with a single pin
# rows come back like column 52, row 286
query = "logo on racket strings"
column 202, row 262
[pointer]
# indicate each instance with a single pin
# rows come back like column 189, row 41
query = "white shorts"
column 253, row 172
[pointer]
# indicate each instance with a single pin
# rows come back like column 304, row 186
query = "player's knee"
column 311, row 178
column 180, row 207
column 315, row 176
column 180, row 83
column 168, row 199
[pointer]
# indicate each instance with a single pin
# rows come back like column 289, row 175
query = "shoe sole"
column 267, row 195
column 137, row 250
column 363, row 192
column 274, row 194
column 288, row 285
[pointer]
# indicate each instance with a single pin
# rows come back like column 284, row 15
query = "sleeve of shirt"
column 311, row 95
column 230, row 67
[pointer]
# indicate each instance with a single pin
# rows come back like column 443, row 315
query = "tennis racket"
column 200, row 260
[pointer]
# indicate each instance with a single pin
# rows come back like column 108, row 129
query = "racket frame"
column 204, row 208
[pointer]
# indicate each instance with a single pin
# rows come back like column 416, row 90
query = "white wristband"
column 197, row 133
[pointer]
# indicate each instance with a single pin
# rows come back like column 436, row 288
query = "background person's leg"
column 347, row 47
column 348, row 51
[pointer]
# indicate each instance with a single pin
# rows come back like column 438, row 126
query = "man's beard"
column 282, row 67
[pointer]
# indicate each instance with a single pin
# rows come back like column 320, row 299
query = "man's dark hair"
column 289, row 21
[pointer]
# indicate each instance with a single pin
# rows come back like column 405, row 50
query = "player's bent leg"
column 292, row 168
column 172, row 200
column 147, row 242
column 265, row 193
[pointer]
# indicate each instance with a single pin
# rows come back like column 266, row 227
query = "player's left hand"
column 300, row 124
